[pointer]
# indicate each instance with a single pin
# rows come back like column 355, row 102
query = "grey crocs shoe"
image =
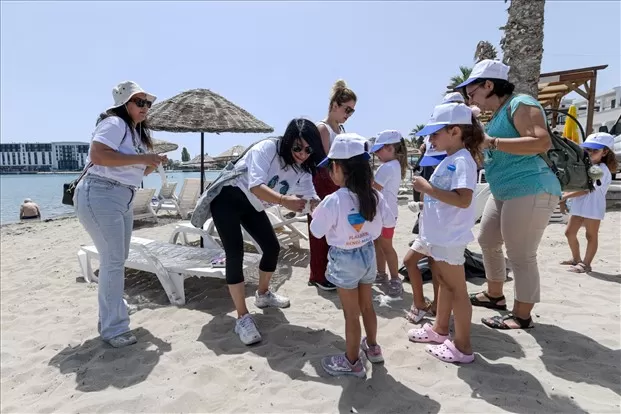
column 122, row 340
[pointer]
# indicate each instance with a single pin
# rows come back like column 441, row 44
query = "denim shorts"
column 453, row 255
column 347, row 268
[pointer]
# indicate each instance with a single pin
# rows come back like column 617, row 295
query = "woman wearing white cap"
column 589, row 208
column 524, row 190
column 118, row 160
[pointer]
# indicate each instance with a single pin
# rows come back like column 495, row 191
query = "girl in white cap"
column 391, row 150
column 351, row 219
column 446, row 227
column 588, row 208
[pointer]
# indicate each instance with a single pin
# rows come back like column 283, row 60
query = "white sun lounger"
column 142, row 204
column 171, row 263
column 185, row 203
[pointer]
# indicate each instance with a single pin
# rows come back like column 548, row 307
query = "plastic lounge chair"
column 166, row 194
column 185, row 202
column 142, row 204
column 171, row 263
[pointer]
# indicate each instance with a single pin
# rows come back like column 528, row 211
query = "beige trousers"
column 519, row 223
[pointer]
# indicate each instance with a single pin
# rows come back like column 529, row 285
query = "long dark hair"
column 358, row 179
column 300, row 128
column 610, row 160
column 473, row 137
column 141, row 128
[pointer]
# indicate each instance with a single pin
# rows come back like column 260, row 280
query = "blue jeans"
column 347, row 268
column 104, row 208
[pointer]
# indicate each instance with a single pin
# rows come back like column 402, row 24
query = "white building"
column 607, row 110
column 38, row 156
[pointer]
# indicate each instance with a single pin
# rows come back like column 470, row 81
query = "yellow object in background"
column 570, row 131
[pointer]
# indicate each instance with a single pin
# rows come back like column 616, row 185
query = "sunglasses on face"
column 297, row 148
column 349, row 110
column 141, row 103
column 469, row 94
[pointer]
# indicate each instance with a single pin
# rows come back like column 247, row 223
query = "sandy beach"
column 189, row 360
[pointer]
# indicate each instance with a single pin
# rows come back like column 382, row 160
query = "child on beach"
column 351, row 219
column 391, row 150
column 587, row 209
column 446, row 227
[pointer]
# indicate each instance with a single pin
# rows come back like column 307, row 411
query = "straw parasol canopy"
column 161, row 147
column 201, row 110
column 196, row 161
column 233, row 152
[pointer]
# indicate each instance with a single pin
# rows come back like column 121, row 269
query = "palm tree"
column 416, row 141
column 522, row 44
column 457, row 79
column 485, row 50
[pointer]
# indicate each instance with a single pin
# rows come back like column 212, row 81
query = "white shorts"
column 453, row 255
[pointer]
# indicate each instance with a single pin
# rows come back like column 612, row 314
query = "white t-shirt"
column 593, row 205
column 110, row 132
column 388, row 175
column 265, row 167
column 443, row 224
column 338, row 218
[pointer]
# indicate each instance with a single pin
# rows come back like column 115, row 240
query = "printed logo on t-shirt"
column 284, row 184
column 356, row 221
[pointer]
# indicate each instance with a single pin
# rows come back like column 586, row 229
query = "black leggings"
column 230, row 210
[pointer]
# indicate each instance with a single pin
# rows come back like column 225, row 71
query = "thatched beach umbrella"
column 196, row 161
column 201, row 110
column 161, row 147
column 231, row 153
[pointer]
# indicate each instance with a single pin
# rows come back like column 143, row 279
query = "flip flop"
column 426, row 334
column 579, row 268
column 498, row 322
column 447, row 352
column 415, row 315
column 568, row 263
column 491, row 303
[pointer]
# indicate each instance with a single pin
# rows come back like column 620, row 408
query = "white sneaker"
column 247, row 330
column 270, row 299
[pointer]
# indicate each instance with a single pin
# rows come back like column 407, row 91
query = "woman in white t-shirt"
column 351, row 219
column 391, row 150
column 272, row 172
column 342, row 106
column 446, row 227
column 587, row 209
column 118, row 160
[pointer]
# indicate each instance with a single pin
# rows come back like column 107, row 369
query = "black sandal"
column 491, row 303
column 498, row 322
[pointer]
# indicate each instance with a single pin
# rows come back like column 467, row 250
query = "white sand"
column 189, row 360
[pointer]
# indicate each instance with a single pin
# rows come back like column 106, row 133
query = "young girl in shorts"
column 446, row 227
column 391, row 150
column 351, row 219
column 587, row 209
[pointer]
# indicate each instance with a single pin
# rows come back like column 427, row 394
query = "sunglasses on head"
column 141, row 103
column 297, row 148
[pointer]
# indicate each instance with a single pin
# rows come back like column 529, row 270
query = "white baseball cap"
column 431, row 157
column 389, row 136
column 487, row 69
column 453, row 97
column 123, row 92
column 346, row 146
column 599, row 140
column 447, row 114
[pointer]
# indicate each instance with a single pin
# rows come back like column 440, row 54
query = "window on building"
column 613, row 104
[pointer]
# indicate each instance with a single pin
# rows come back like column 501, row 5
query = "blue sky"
column 278, row 60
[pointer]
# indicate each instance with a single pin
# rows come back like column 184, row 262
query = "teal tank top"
column 509, row 175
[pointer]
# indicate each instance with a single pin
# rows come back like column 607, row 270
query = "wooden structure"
column 553, row 86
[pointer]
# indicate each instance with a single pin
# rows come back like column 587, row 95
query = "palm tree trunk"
column 522, row 44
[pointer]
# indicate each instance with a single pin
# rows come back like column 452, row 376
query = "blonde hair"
column 341, row 93
column 401, row 154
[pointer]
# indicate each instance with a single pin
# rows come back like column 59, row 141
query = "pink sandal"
column 447, row 352
column 426, row 334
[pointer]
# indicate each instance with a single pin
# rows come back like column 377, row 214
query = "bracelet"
column 494, row 144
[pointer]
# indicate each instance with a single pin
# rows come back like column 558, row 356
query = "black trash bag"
column 473, row 266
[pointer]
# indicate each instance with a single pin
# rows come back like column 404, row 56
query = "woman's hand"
column 153, row 160
column 421, row 185
column 487, row 142
column 313, row 204
column 293, row 203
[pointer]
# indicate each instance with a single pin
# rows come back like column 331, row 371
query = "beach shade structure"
column 162, row 147
column 196, row 161
column 570, row 131
column 230, row 154
column 201, row 110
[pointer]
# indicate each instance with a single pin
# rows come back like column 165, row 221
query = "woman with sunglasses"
column 342, row 106
column 272, row 171
column 118, row 160
column 524, row 190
